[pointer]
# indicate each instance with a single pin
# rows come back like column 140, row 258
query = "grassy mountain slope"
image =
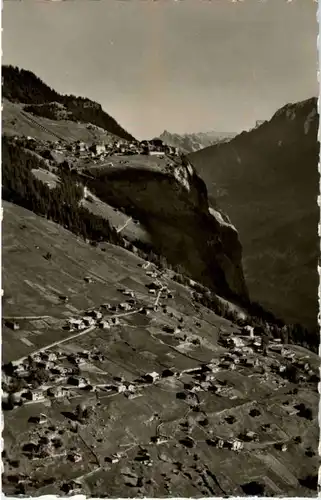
column 165, row 441
column 25, row 87
column 171, row 205
column 267, row 181
column 15, row 121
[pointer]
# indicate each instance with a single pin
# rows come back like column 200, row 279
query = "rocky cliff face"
column 267, row 181
column 174, row 208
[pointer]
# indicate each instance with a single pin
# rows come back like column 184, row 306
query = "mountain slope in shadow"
column 267, row 182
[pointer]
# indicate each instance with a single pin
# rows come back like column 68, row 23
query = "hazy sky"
column 184, row 66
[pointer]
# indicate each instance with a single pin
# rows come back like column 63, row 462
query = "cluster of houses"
column 242, row 350
column 154, row 147
column 63, row 153
column 96, row 318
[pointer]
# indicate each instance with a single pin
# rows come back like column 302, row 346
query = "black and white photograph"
column 160, row 248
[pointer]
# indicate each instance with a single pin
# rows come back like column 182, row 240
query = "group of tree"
column 60, row 204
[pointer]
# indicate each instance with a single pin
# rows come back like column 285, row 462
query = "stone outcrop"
column 174, row 208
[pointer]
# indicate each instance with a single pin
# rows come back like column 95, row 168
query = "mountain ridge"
column 266, row 180
column 191, row 142
column 23, row 86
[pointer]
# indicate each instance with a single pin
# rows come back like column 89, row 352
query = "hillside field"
column 119, row 453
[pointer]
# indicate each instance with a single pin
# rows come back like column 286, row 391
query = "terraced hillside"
column 15, row 121
column 23, row 86
column 120, row 385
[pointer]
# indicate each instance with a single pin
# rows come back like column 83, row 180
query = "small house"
column 13, row 325
column 125, row 306
column 98, row 149
column 77, row 381
column 80, row 147
column 75, row 457
column 56, row 392
column 156, row 153
column 37, row 395
column 248, row 330
column 88, row 320
column 151, row 377
column 104, row 325
column 237, row 445
column 96, row 314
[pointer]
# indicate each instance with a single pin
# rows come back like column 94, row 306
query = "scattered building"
column 13, row 325
column 151, row 377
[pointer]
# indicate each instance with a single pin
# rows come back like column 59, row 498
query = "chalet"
column 13, row 325
column 113, row 459
column 104, row 325
column 37, row 395
column 76, row 324
column 37, row 358
column 248, row 330
column 88, row 320
column 220, row 443
column 55, row 392
column 145, row 311
column 238, row 342
column 237, row 445
column 74, row 457
column 39, row 419
column 95, row 314
column 251, row 436
column 81, row 146
column 154, row 286
column 156, row 153
column 125, row 306
column 151, row 377
column 169, row 329
column 77, row 381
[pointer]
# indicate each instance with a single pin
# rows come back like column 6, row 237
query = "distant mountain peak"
column 191, row 142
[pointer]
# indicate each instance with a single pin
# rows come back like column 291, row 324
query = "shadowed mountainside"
column 267, row 181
